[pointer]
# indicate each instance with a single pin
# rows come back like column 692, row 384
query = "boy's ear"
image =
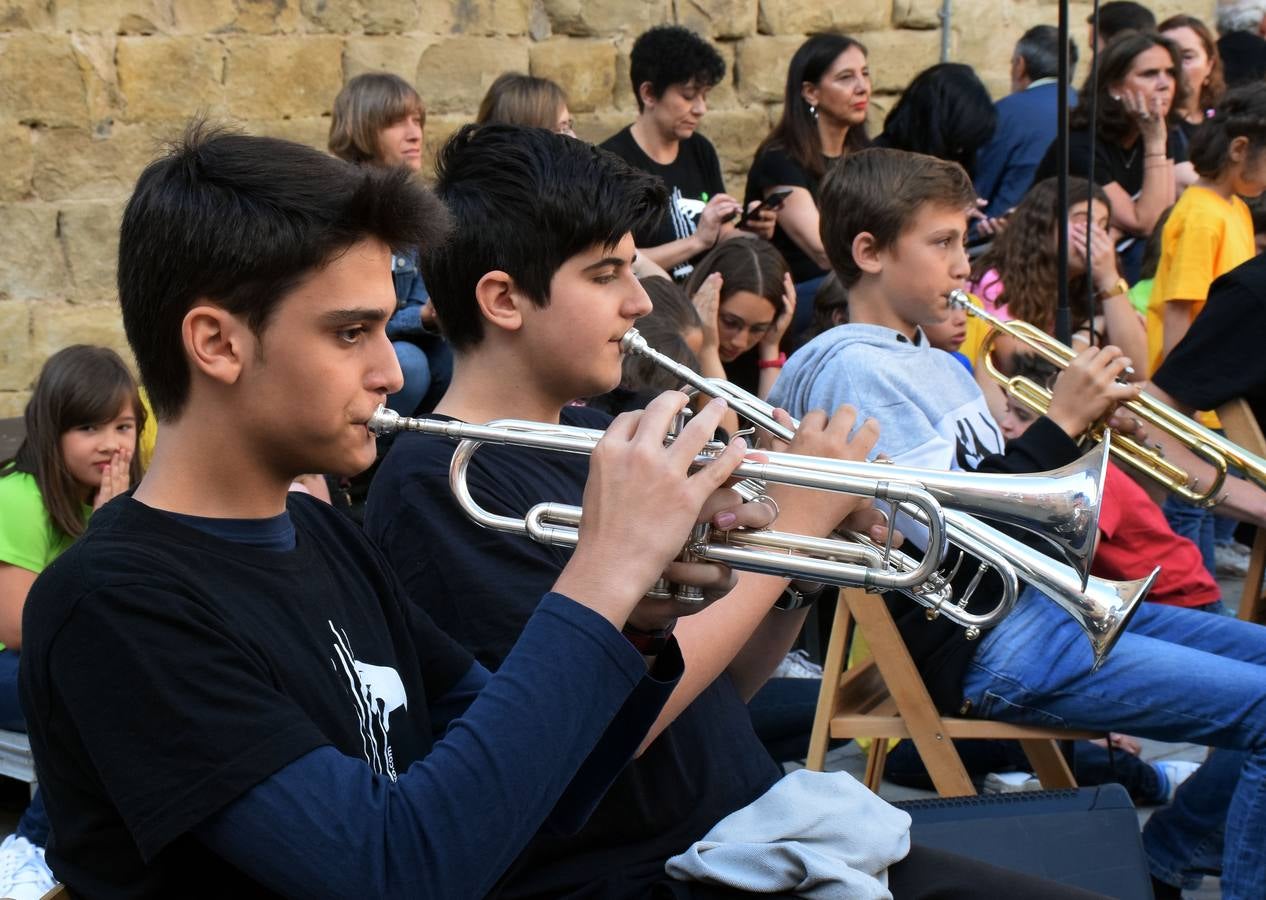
column 866, row 253
column 499, row 301
column 216, row 342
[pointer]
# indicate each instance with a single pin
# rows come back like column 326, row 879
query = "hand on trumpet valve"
column 817, row 513
column 1089, row 389
column 1123, row 422
column 641, row 503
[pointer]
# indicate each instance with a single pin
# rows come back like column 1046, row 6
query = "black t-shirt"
column 166, row 672
column 774, row 168
column 1220, row 357
column 707, row 764
column 692, row 179
column 1113, row 163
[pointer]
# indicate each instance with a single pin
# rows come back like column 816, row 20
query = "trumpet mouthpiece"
column 383, row 421
column 632, row 342
column 959, row 299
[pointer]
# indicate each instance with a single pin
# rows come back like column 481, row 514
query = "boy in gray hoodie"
column 893, row 225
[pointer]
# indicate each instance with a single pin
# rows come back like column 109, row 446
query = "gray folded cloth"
column 821, row 835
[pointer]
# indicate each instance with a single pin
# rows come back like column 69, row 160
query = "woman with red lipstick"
column 379, row 120
column 746, row 300
column 81, row 427
column 823, row 117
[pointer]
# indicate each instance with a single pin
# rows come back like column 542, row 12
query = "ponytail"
column 1242, row 113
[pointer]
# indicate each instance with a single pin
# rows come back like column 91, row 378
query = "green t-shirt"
column 28, row 538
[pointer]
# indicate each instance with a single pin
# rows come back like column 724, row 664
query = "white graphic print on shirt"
column 685, row 218
column 376, row 692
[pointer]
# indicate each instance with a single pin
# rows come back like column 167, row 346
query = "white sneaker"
column 24, row 875
column 1011, row 782
column 797, row 664
column 1231, row 561
column 1175, row 772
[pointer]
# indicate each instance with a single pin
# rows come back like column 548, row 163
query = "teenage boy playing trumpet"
column 227, row 694
column 893, row 225
column 534, row 289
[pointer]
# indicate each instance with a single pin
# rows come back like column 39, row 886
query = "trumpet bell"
column 1107, row 609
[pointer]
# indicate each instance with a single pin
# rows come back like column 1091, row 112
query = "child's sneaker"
column 1173, row 772
column 1011, row 782
column 797, row 664
column 24, row 875
column 1231, row 559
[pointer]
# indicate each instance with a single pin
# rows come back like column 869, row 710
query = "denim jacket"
column 411, row 296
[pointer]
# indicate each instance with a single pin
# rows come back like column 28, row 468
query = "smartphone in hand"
column 772, row 202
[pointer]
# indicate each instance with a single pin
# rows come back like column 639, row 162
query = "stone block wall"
column 89, row 89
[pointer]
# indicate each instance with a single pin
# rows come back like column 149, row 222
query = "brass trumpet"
column 1205, row 443
column 1102, row 608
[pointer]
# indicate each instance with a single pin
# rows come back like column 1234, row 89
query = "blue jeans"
column 34, row 822
column 1195, row 523
column 1175, row 675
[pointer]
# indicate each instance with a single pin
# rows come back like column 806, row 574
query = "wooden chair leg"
column 910, row 695
column 1252, row 607
column 876, row 758
column 1048, row 763
column 828, row 695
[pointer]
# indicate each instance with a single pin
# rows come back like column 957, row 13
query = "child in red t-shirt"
column 1134, row 534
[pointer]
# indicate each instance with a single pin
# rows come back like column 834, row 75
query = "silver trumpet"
column 836, row 562
column 1101, row 607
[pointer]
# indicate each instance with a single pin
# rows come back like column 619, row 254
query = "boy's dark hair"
column 1242, row 113
column 524, row 201
column 880, row 191
column 672, row 54
column 1122, row 15
column 1116, row 59
column 1039, row 48
column 1034, row 368
column 670, row 303
column 946, row 111
column 830, row 307
column 78, row 385
column 241, row 221
column 797, row 128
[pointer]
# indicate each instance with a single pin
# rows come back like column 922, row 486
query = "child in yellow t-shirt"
column 1210, row 230
column 1209, row 233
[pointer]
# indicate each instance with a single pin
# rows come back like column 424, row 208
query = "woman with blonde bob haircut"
column 518, row 99
column 378, row 118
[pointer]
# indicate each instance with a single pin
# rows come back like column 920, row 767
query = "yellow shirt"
column 1204, row 238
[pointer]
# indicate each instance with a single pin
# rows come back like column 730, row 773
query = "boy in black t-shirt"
column 672, row 70
column 227, row 695
column 535, row 292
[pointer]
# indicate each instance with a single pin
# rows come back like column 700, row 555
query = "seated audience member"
column 378, row 120
column 1139, row 160
column 672, row 69
column 1201, row 70
column 77, row 454
column 894, row 227
column 949, row 335
column 946, row 112
column 830, row 307
column 1141, row 290
column 752, row 302
column 1241, row 25
column 535, row 307
column 518, row 99
column 1209, row 233
column 276, row 719
column 1026, row 120
column 1116, row 17
column 823, row 117
column 1016, row 278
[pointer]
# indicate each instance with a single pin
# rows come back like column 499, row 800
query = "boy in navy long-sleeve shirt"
column 227, row 695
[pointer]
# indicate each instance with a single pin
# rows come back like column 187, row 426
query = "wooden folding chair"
column 1241, row 426
column 884, row 697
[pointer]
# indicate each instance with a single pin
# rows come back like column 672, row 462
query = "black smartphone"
column 773, row 201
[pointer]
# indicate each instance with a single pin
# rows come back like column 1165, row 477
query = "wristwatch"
column 1120, row 287
column 792, row 598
